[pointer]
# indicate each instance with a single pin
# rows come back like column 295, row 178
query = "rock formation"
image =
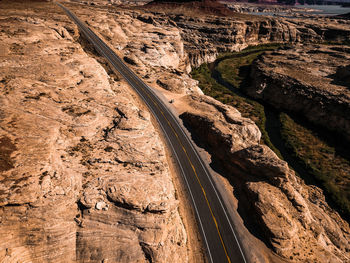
column 83, row 172
column 84, row 176
column 294, row 218
column 297, row 2
column 314, row 76
column 204, row 36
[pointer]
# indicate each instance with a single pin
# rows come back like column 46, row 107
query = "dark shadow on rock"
column 7, row 147
column 341, row 77
column 238, row 180
column 273, row 128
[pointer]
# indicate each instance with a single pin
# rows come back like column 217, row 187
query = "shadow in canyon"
column 273, row 128
column 238, row 179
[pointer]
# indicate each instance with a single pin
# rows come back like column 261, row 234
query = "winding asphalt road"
column 214, row 222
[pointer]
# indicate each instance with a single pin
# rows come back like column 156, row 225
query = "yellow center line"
column 193, row 167
column 194, row 170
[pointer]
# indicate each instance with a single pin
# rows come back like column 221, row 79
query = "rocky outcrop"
column 205, row 36
column 281, row 10
column 83, row 172
column 294, row 218
column 109, row 2
column 313, row 76
column 198, row 30
column 196, row 37
column 214, row 35
column 156, row 52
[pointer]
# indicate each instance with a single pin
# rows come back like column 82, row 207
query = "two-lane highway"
column 213, row 220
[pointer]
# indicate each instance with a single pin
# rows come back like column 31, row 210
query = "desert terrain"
column 85, row 171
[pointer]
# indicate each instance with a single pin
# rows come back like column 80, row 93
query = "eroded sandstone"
column 295, row 219
column 314, row 76
column 84, row 176
column 85, row 164
column 205, row 36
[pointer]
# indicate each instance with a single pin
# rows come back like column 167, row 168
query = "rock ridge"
column 322, row 92
column 295, row 219
column 83, row 172
column 205, row 37
column 109, row 152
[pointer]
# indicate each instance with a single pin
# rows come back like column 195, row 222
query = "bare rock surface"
column 155, row 51
column 312, row 80
column 83, row 172
column 84, row 176
column 294, row 218
column 206, row 35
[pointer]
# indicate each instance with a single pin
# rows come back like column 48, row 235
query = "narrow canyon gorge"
column 85, row 173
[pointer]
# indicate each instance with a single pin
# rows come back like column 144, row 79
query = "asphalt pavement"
column 214, row 222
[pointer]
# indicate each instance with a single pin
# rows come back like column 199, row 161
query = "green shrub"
column 248, row 107
column 321, row 162
column 329, row 170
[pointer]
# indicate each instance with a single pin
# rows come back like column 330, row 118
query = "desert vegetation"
column 326, row 165
column 316, row 157
column 223, row 78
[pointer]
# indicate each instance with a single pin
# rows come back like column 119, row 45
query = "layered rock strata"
column 204, row 36
column 314, row 76
column 294, row 218
column 84, row 177
column 83, row 172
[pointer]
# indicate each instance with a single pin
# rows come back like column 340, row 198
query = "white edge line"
column 182, row 171
column 206, row 172
column 190, row 143
column 210, row 180
column 183, row 174
column 200, row 160
column 185, row 135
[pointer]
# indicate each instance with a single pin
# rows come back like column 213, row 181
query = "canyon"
column 85, row 175
column 322, row 92
column 205, row 36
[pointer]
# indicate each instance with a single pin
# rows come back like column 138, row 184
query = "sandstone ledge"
column 101, row 129
column 232, row 141
column 293, row 218
column 85, row 177
column 311, row 80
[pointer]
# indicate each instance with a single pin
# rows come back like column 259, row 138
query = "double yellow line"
column 194, row 170
column 188, row 158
